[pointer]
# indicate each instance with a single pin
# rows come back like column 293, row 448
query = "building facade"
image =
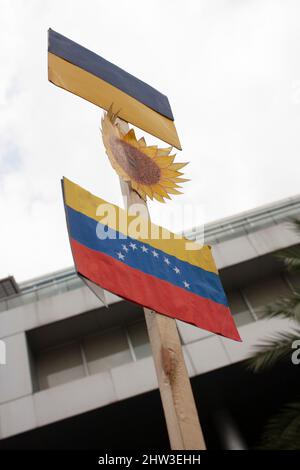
column 80, row 375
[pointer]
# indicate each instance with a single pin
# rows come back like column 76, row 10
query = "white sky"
column 231, row 70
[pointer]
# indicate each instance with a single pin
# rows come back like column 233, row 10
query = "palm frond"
column 282, row 432
column 274, row 349
column 296, row 225
column 288, row 307
column 292, row 223
column 290, row 257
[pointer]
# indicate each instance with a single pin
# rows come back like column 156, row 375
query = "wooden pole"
column 174, row 384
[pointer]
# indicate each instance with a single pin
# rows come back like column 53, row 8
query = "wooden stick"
column 174, row 384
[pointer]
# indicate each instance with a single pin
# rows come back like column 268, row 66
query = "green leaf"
column 296, row 225
column 288, row 307
column 290, row 258
column 270, row 351
column 282, row 432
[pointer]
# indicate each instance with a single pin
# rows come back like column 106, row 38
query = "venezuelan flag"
column 86, row 74
column 156, row 271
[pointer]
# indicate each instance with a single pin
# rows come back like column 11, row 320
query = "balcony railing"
column 42, row 290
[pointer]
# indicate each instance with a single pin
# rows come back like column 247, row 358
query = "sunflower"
column 150, row 170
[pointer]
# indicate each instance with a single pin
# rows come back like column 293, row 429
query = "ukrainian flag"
column 84, row 73
column 157, row 272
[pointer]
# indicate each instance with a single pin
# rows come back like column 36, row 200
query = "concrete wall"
column 21, row 409
column 25, row 410
column 252, row 245
column 49, row 310
column 15, row 378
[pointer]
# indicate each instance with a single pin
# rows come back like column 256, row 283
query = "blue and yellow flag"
column 86, row 74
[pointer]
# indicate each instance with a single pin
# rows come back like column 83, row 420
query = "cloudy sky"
column 231, row 70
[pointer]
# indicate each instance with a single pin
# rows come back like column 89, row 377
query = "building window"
column 59, row 365
column 87, row 355
column 138, row 336
column 239, row 309
column 265, row 292
column 106, row 350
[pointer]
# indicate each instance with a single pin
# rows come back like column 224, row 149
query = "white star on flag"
column 144, row 249
column 177, row 270
column 166, row 261
column 133, row 246
column 120, row 255
column 186, row 284
column 124, row 247
column 155, row 254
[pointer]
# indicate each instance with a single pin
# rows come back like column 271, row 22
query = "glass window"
column 59, row 365
column 238, row 308
column 265, row 292
column 139, row 339
column 104, row 351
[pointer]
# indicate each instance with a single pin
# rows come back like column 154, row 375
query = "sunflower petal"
column 165, row 151
column 150, row 151
column 164, row 162
column 178, row 179
column 178, row 166
column 159, row 197
column 173, row 191
column 142, row 142
column 130, row 138
column 136, row 187
column 167, row 173
column 167, row 183
column 158, row 189
column 147, row 189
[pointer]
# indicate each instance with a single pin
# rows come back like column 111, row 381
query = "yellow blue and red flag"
column 155, row 270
